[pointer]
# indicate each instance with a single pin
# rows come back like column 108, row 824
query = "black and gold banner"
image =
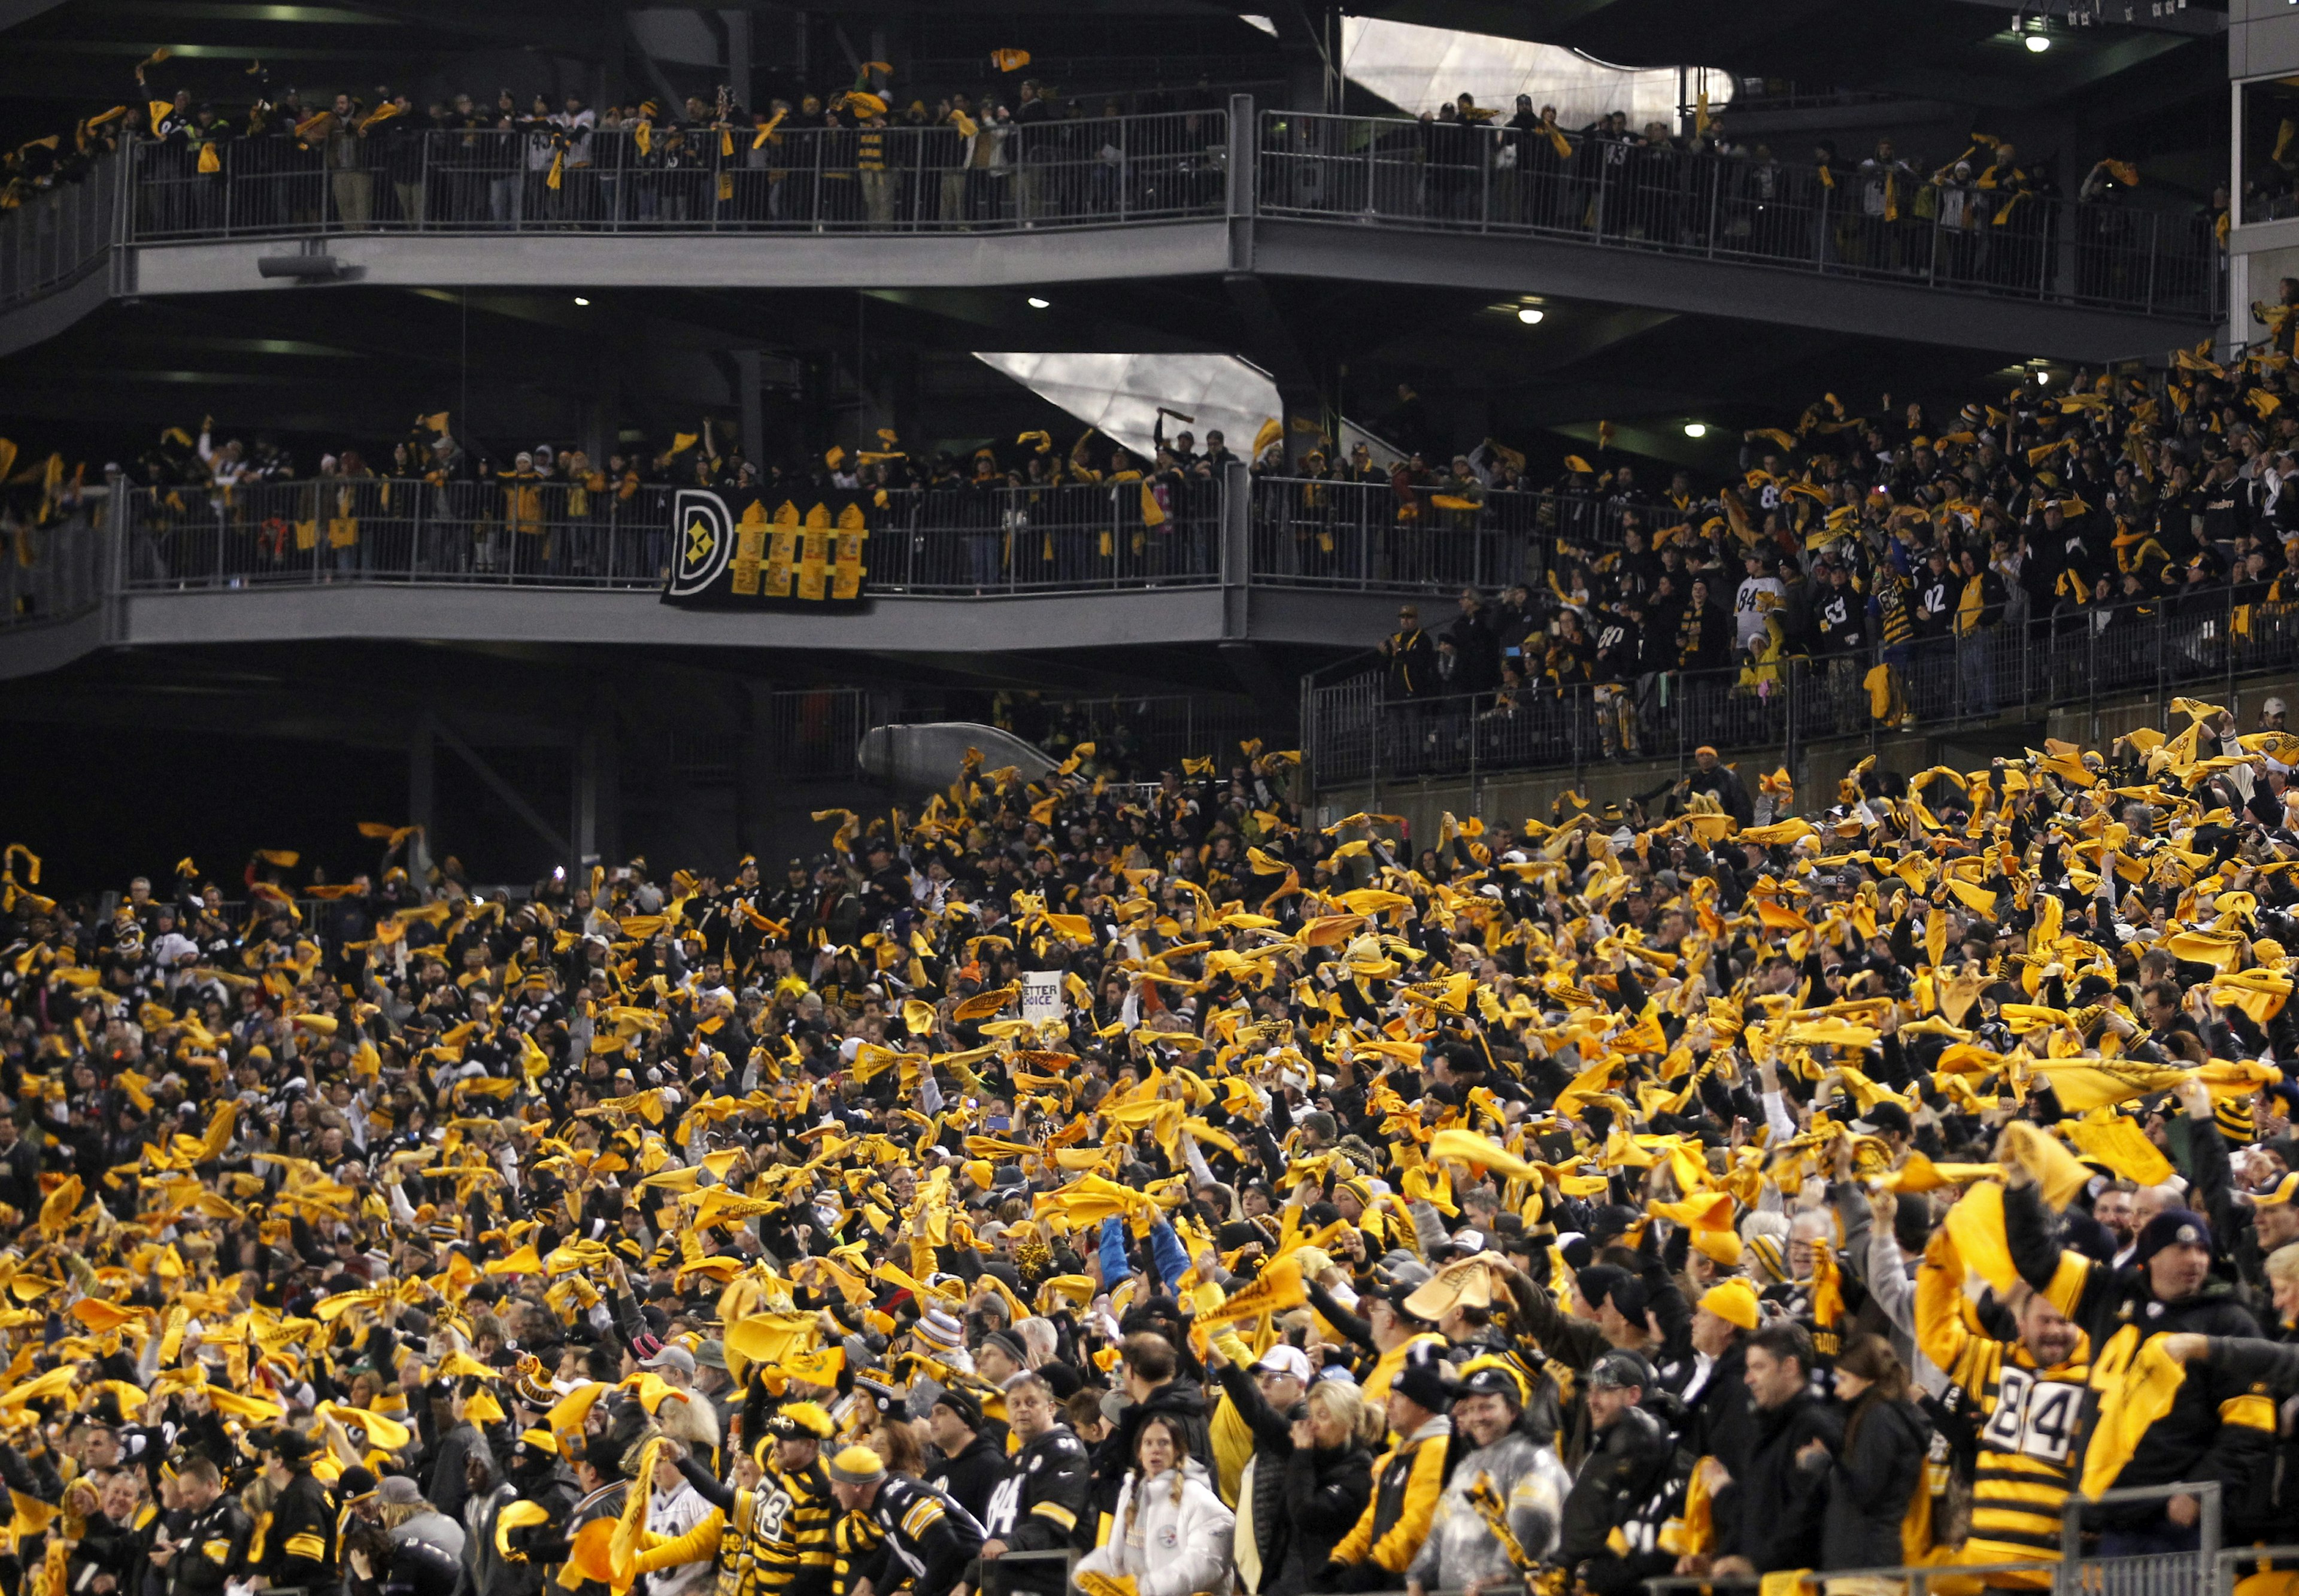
column 777, row 556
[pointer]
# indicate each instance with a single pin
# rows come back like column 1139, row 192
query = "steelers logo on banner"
column 808, row 552
column 705, row 534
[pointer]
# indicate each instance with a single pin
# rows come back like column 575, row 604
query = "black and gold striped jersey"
column 788, row 1546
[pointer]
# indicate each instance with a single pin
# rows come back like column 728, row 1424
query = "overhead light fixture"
column 1037, row 304
column 580, row 300
column 2038, row 44
column 1696, row 429
column 1530, row 315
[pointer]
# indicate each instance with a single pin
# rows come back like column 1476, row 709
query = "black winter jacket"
column 969, row 1478
column 1624, row 1461
column 1272, row 1447
column 1869, row 1482
column 1326, row 1490
column 1771, row 1512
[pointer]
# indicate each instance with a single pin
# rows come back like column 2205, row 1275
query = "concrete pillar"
column 422, row 790
column 597, row 430
column 754, row 420
column 1309, row 39
column 738, row 55
column 608, row 788
column 584, row 827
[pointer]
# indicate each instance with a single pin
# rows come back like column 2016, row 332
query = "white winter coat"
column 1174, row 1548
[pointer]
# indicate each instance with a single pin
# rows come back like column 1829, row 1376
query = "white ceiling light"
column 1696, row 429
column 580, row 300
column 1037, row 304
column 1530, row 315
column 2038, row 44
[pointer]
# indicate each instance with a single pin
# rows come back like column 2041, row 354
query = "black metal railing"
column 522, row 533
column 1086, row 172
column 1392, row 172
column 1468, row 178
column 55, row 571
column 1136, row 735
column 59, row 232
column 2083, row 1566
column 1428, row 538
column 813, row 732
column 1070, row 538
column 2026, row 667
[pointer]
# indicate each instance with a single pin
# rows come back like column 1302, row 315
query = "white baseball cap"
column 1284, row 1360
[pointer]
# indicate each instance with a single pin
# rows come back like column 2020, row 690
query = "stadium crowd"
column 1987, row 219
column 1061, row 1170
column 1016, row 149
column 1889, row 549
column 1016, row 146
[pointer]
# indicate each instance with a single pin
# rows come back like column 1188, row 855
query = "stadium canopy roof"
column 2117, row 59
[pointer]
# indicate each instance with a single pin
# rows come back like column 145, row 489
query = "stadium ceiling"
column 1954, row 50
column 354, row 365
column 1965, row 52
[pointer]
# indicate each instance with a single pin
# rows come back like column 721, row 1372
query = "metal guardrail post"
column 2027, row 671
column 2228, row 643
column 1875, row 727
column 1578, row 754
column 1678, row 677
column 1244, row 165
column 1380, row 737
column 1474, row 739
column 2155, row 256
column 1236, row 558
column 1788, row 674
column 112, row 565
column 123, row 162
column 2091, row 680
column 1307, row 716
column 1716, row 207
column 2163, row 630
column 1369, row 207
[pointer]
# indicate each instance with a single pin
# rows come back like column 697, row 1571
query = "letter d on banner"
column 706, row 541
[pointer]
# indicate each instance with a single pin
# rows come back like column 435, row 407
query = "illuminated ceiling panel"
column 1419, row 69
column 1119, row 394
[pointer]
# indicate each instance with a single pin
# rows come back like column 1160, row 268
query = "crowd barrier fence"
column 1401, row 174
column 2025, row 666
